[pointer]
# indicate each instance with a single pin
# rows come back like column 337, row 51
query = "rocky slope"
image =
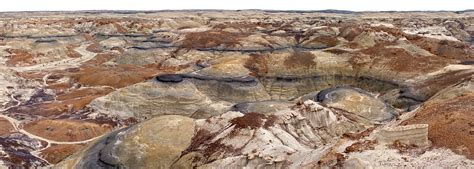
column 212, row 89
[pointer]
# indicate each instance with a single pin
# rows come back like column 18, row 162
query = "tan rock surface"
column 66, row 130
column 67, row 78
column 157, row 142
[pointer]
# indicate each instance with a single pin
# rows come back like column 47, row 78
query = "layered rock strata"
column 411, row 135
column 76, row 82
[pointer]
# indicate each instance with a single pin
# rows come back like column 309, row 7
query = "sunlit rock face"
column 155, row 143
column 213, row 89
column 149, row 99
column 234, row 138
column 357, row 101
column 449, row 115
column 277, row 140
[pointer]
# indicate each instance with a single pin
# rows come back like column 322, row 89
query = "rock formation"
column 411, row 135
column 213, row 89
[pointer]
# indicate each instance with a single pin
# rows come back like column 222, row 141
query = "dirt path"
column 17, row 127
column 62, row 64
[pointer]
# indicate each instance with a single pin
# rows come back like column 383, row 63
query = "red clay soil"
column 211, row 38
column 207, row 151
column 95, row 48
column 99, row 59
column 65, row 102
column 59, row 86
column 66, row 130
column 56, row 153
column 71, row 52
column 444, row 48
column 249, row 120
column 38, row 76
column 451, row 123
column 350, row 32
column 254, row 120
column 357, row 136
column 217, row 149
column 119, row 76
column 401, row 61
column 257, row 63
column 78, row 99
column 333, row 158
column 300, row 59
column 91, row 74
column 361, row 146
column 48, row 109
column 5, row 127
column 19, row 56
column 84, row 92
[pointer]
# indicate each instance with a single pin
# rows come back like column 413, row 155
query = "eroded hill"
column 237, row 88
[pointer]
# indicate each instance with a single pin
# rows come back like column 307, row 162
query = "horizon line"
column 264, row 10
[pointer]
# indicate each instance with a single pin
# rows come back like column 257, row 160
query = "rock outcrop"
column 410, row 135
column 450, row 116
column 358, row 102
column 152, row 98
column 245, row 88
column 155, row 143
column 232, row 139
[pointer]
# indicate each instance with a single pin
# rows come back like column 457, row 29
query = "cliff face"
column 236, row 88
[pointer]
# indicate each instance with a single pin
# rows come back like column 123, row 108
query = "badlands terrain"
column 233, row 89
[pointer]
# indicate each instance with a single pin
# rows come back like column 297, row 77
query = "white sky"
column 354, row 5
